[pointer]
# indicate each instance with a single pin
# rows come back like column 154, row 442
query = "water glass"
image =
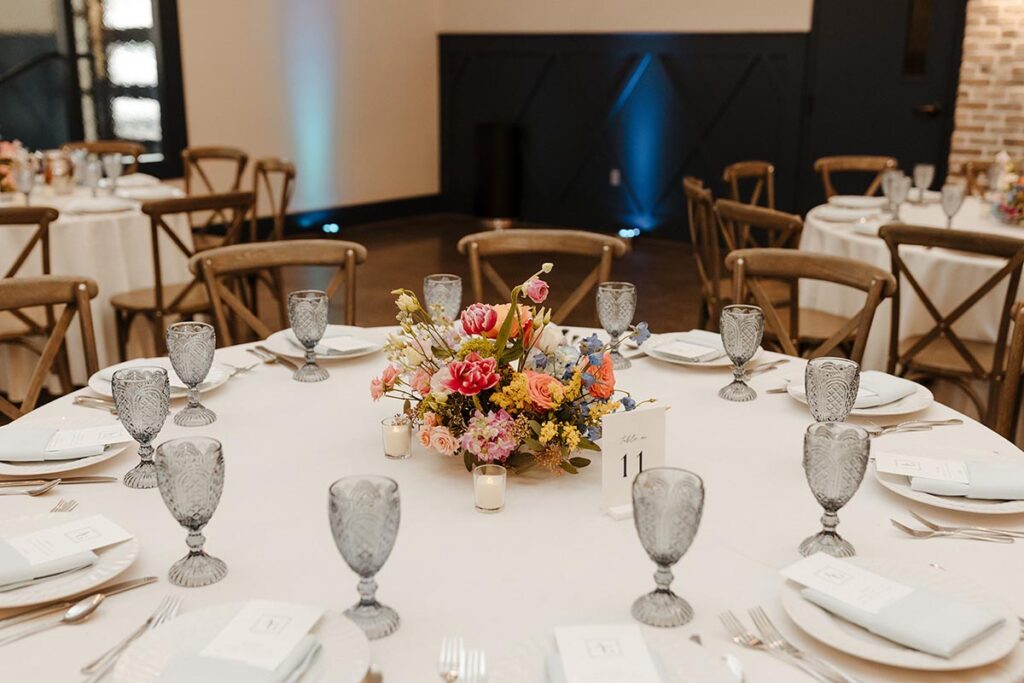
column 25, row 176
column 397, row 436
column 831, row 385
column 489, row 487
column 952, row 200
column 364, row 513
column 924, row 174
column 889, row 177
column 307, row 313
column 667, row 506
column 113, row 164
column 442, row 294
column 900, row 191
column 742, row 328
column 835, row 457
column 616, row 304
column 92, row 173
column 142, row 396
column 190, row 346
column 190, row 474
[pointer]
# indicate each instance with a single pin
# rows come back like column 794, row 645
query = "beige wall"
column 28, row 16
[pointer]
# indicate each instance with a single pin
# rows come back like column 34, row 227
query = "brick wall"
column 990, row 100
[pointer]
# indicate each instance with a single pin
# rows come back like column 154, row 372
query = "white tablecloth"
column 947, row 276
column 114, row 250
column 549, row 559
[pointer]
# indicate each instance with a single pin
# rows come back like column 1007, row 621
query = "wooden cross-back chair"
column 878, row 165
column 762, row 175
column 941, row 351
column 976, row 175
column 131, row 151
column 707, row 252
column 481, row 246
column 196, row 162
column 1009, row 402
column 72, row 295
column 810, row 333
column 218, row 267
column 745, row 226
column 183, row 299
column 266, row 174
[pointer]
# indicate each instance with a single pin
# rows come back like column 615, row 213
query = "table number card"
column 605, row 654
column 630, row 443
column 263, row 633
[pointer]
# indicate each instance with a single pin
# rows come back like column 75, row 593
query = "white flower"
column 407, row 303
column 547, row 267
column 549, row 339
column 438, row 390
column 413, row 358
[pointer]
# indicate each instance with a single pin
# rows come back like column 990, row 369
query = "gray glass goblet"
column 307, row 313
column 742, row 328
column 616, row 304
column 831, row 385
column 364, row 513
column 667, row 506
column 142, row 396
column 190, row 473
column 835, row 457
column 190, row 346
column 442, row 292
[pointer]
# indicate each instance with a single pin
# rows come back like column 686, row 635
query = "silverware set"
column 34, row 491
column 165, row 611
column 976, row 533
column 39, row 481
column 910, row 426
column 64, row 505
column 267, row 356
column 456, row 664
column 766, row 367
column 98, row 402
column 61, row 605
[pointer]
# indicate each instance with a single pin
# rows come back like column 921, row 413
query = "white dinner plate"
column 218, row 375
column 900, row 485
column 842, row 214
column 91, row 205
column 854, row 640
column 47, row 467
column 650, row 347
column 279, row 342
column 111, row 561
column 345, row 657
column 857, row 201
column 919, row 400
column 149, row 192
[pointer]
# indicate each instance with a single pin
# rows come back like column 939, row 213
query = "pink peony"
column 489, row 437
column 442, row 441
column 539, row 388
column 537, row 290
column 383, row 384
column 421, row 382
column 478, row 318
column 473, row 375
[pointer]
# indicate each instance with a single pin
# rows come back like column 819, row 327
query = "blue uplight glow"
column 331, row 228
column 628, row 233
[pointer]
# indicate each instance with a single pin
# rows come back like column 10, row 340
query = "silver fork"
column 475, row 667
column 775, row 639
column 165, row 611
column 239, row 369
column 741, row 636
column 36, row 491
column 929, row 533
column 449, row 661
column 766, row 367
column 972, row 529
column 64, row 505
column 910, row 425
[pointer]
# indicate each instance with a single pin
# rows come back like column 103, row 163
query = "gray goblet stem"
column 191, row 346
column 835, row 459
column 742, row 329
column 142, row 397
column 307, row 314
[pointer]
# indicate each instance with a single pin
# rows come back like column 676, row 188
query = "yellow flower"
column 572, row 387
column 513, row 396
column 571, row 436
column 599, row 410
column 548, row 431
column 484, row 347
column 407, row 302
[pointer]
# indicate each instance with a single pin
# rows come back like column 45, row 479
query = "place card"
column 605, row 654
column 88, row 437
column 631, row 441
column 345, row 344
column 65, row 540
column 263, row 633
column 920, row 466
column 846, row 582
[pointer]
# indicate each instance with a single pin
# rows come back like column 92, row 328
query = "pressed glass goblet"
column 191, row 345
column 364, row 513
column 142, row 396
column 667, row 506
column 190, row 473
column 616, row 303
column 25, row 177
column 443, row 292
column 113, row 164
column 889, row 178
column 742, row 328
column 952, row 199
column 93, row 174
column 924, row 174
column 835, row 457
column 831, row 385
column 307, row 312
column 900, row 192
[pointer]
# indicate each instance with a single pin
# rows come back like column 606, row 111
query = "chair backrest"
column 973, row 172
column 1009, row 400
column 1008, row 249
column 745, row 226
column 130, row 150
column 20, row 216
column 750, row 266
column 762, row 173
column 237, row 204
column 826, row 166
column 218, row 267
column 707, row 252
column 197, row 161
column 270, row 173
column 484, row 245
column 73, row 294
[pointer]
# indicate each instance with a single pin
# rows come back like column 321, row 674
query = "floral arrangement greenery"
column 1011, row 208
column 501, row 384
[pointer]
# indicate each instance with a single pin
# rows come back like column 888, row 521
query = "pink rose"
column 604, row 378
column 473, row 375
column 442, row 441
column 376, row 389
column 424, row 436
column 478, row 318
column 430, row 419
column 538, row 389
column 421, row 382
column 383, row 384
column 537, row 290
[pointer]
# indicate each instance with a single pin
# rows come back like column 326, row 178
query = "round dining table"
column 948, row 276
column 505, row 581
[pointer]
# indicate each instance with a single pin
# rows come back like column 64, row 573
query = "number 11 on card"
column 639, row 465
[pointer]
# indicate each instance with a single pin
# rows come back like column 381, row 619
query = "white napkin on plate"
column 556, row 671
column 144, row 192
column 334, row 343
column 988, row 481
column 98, row 205
column 694, row 346
column 15, row 568
column 134, row 180
column 922, row 620
column 23, row 443
column 881, row 388
column 199, row 669
column 841, row 214
column 107, row 374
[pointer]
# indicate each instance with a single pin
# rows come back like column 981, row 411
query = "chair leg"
column 62, row 366
column 122, row 323
column 156, row 321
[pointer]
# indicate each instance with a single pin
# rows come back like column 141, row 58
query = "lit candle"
column 489, row 487
column 397, row 434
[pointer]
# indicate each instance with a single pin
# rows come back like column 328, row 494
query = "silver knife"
column 94, row 479
column 60, row 606
column 280, row 359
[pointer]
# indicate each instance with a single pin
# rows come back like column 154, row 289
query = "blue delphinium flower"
column 628, row 403
column 595, row 359
column 642, row 333
column 593, row 433
column 588, row 380
column 591, row 344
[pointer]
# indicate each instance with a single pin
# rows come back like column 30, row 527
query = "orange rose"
column 604, row 378
column 525, row 316
column 539, row 388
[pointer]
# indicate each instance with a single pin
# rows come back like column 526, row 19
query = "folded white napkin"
column 23, row 443
column 134, row 180
column 922, row 620
column 107, row 374
column 841, row 214
column 693, row 346
column 988, row 481
column 200, row 669
column 335, row 342
column 880, row 388
column 98, row 205
column 14, row 567
column 145, row 192
column 556, row 671
column 857, row 201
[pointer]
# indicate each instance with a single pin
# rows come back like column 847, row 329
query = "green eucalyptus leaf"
column 588, row 445
column 568, row 467
column 579, row 462
column 467, row 458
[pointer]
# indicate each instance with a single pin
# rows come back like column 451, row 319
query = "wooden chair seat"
column 777, row 291
column 203, row 241
column 815, row 325
column 144, row 299
column 11, row 327
column 940, row 356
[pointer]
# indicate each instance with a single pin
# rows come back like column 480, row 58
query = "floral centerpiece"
column 501, row 384
column 1011, row 208
column 9, row 151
